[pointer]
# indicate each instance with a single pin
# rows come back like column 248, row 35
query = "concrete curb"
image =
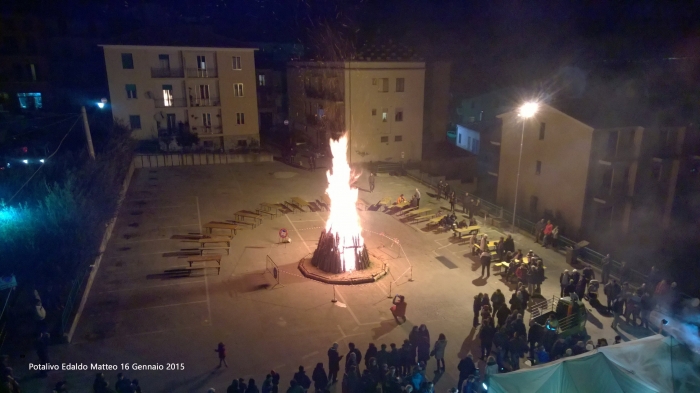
column 103, row 246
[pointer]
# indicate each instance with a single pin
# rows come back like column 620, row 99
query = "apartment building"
column 378, row 103
column 602, row 184
column 160, row 91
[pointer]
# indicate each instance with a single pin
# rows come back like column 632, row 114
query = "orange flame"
column 343, row 219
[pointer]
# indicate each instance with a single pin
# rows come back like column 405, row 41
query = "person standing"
column 333, row 363
column 547, row 234
column 320, row 378
column 465, row 203
column 539, row 230
column 477, row 308
column 440, row 187
column 398, row 309
column 555, row 237
column 417, row 196
column 485, row 264
column 221, row 349
column 372, row 178
column 564, row 281
column 617, row 310
column 452, row 201
column 624, row 272
column 466, row 369
column 497, row 299
column 605, row 268
column 484, row 243
column 486, row 334
column 439, row 353
column 500, row 248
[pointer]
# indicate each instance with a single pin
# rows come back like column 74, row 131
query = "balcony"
column 324, row 94
column 157, row 72
column 171, row 103
column 202, row 73
column 208, row 130
column 211, row 101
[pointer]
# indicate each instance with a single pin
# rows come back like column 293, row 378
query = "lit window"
column 398, row 138
column 240, row 118
column 135, row 122
column 385, row 112
column 261, row 80
column 400, row 85
column 127, row 61
column 167, row 95
column 399, row 115
column 236, row 62
column 384, row 139
column 238, row 89
column 29, row 100
column 130, row 91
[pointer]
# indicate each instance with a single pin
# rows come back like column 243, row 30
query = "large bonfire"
column 341, row 247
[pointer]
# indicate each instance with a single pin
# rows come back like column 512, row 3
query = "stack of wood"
column 327, row 256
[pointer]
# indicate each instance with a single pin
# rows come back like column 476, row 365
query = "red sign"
column 283, row 233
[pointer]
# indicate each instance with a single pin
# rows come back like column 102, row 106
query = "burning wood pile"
column 331, row 259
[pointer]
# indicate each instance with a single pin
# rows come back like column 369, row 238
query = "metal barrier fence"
column 73, row 296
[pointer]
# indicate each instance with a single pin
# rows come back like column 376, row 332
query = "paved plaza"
column 136, row 314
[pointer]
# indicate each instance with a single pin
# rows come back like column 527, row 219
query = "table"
column 472, row 230
column 219, row 225
column 243, row 214
column 301, row 203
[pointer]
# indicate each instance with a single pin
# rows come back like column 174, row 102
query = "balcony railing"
column 208, row 130
column 171, row 103
column 324, row 94
column 202, row 73
column 211, row 101
column 158, row 72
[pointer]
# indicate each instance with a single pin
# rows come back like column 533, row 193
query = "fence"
column 180, row 159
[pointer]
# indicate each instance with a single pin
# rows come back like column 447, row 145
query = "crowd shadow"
column 469, row 345
column 385, row 327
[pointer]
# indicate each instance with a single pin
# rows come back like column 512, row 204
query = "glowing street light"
column 101, row 104
column 526, row 111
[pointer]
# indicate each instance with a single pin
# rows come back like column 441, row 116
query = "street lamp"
column 526, row 111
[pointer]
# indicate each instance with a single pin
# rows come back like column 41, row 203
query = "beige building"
column 554, row 168
column 160, row 90
column 379, row 104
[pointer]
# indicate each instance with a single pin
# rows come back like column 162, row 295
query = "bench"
column 291, row 206
column 270, row 213
column 205, row 258
column 300, row 203
column 268, row 208
column 384, row 201
column 210, row 239
column 235, row 222
column 472, row 230
column 241, row 215
column 435, row 221
column 187, row 237
column 405, row 210
column 220, row 225
column 186, row 271
column 417, row 212
column 323, row 205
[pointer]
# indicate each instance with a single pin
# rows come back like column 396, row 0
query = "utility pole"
column 86, row 127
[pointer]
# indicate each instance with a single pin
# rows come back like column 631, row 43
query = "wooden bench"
column 435, row 221
column 323, row 205
column 186, row 271
column 386, row 201
column 417, row 212
column 220, row 225
column 210, row 239
column 291, row 206
column 268, row 208
column 241, row 215
column 472, row 230
column 235, row 222
column 205, row 258
column 187, row 237
column 403, row 213
column 301, row 203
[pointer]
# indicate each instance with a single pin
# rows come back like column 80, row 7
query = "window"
column 384, row 139
column 127, row 61
column 398, row 116
column 201, row 63
column 135, row 122
column 399, row 85
column 261, row 80
column 459, row 139
column 238, row 89
column 240, row 118
column 206, row 119
column 538, row 168
column 29, row 100
column 131, row 91
column 374, row 112
column 384, row 86
column 398, row 138
column 236, row 62
column 164, row 62
column 167, row 95
column 203, row 92
column 385, row 112
column 542, row 125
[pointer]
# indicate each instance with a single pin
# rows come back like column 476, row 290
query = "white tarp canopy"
column 651, row 364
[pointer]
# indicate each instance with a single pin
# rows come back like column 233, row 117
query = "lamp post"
column 526, row 111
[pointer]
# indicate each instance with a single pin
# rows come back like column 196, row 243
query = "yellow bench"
column 472, row 230
column 436, row 220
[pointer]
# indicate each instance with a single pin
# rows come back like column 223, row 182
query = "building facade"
column 160, row 91
column 379, row 105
